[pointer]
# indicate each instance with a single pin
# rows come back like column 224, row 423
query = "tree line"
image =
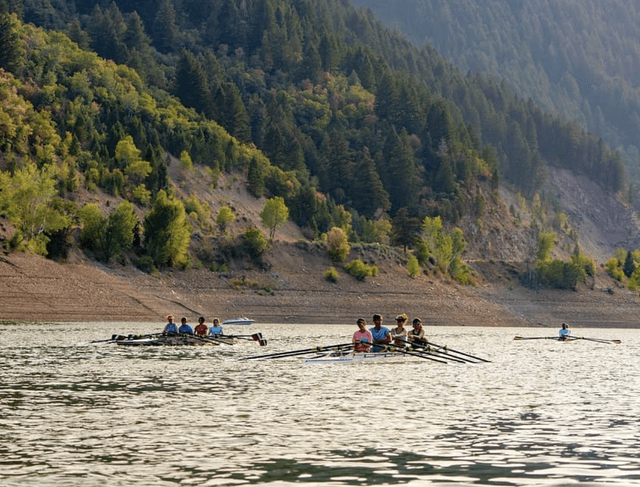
column 315, row 102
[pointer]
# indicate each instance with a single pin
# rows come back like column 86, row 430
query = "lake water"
column 541, row 413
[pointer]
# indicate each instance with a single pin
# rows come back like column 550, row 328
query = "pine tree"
column 11, row 49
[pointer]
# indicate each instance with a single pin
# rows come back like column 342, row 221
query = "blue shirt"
column 185, row 328
column 215, row 330
column 380, row 334
column 171, row 328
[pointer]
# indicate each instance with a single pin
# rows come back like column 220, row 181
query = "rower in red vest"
column 201, row 327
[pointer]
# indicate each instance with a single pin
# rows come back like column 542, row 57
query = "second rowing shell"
column 356, row 357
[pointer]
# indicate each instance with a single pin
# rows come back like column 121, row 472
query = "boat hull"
column 238, row 321
column 174, row 341
column 368, row 357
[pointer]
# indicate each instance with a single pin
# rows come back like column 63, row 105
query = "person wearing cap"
column 381, row 335
column 170, row 327
column 416, row 334
column 216, row 329
column 564, row 332
column 185, row 327
column 362, row 338
column 399, row 333
column 201, row 327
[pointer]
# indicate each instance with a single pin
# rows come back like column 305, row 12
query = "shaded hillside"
column 575, row 58
column 377, row 140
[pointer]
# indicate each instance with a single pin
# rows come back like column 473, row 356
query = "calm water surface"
column 542, row 413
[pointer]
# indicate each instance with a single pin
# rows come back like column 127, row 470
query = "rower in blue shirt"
column 216, row 329
column 170, row 327
column 564, row 332
column 185, row 327
column 379, row 333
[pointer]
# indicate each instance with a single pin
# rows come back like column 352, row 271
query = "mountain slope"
column 579, row 59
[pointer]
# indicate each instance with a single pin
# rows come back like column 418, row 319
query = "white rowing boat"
column 173, row 341
column 238, row 321
column 350, row 357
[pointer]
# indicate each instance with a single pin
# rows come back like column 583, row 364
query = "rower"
column 416, row 335
column 185, row 327
column 201, row 327
column 170, row 327
column 564, row 332
column 379, row 333
column 399, row 333
column 216, row 329
column 362, row 338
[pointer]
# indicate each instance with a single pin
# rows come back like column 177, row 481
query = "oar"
column 299, row 352
column 115, row 338
column 403, row 350
column 447, row 349
column 536, row 338
column 112, row 339
column 427, row 349
column 255, row 337
column 599, row 340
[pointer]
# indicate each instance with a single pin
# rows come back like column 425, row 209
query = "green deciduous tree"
column 274, row 214
column 119, row 230
column 225, row 216
column 546, row 241
column 166, row 231
column 255, row 241
column 338, row 244
column 93, row 224
column 25, row 198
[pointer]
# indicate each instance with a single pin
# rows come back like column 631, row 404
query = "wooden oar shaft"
column 427, row 349
column 459, row 353
column 415, row 353
column 599, row 340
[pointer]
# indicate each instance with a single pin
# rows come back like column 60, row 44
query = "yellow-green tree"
column 25, row 198
column 225, row 217
column 338, row 244
column 166, row 231
column 274, row 214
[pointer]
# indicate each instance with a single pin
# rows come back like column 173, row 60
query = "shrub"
column 255, row 241
column 145, row 264
column 360, row 270
column 331, row 274
column 413, row 267
column 338, row 244
column 559, row 274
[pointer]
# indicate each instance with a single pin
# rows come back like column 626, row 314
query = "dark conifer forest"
column 314, row 100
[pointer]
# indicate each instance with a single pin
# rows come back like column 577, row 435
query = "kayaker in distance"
column 216, row 329
column 185, row 327
column 380, row 334
column 416, row 334
column 399, row 333
column 564, row 332
column 362, row 338
column 201, row 327
column 170, row 327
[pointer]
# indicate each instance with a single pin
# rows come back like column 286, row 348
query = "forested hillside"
column 579, row 59
column 313, row 101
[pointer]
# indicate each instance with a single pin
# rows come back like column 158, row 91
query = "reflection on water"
column 541, row 413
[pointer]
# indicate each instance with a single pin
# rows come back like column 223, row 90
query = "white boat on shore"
column 350, row 357
column 238, row 321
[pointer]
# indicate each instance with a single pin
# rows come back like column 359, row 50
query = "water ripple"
column 539, row 414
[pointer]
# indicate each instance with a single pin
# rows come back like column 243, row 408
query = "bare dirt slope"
column 290, row 286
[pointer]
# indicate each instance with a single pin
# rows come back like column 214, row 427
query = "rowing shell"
column 173, row 341
column 338, row 357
